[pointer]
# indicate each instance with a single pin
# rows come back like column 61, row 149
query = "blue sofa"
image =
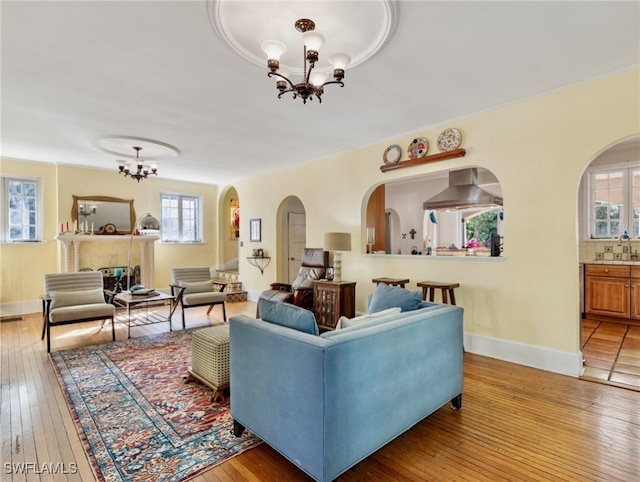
column 326, row 402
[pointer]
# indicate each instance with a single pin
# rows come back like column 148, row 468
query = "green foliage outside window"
column 482, row 226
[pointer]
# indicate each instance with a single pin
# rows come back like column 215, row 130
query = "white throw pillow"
column 197, row 286
column 73, row 298
column 345, row 322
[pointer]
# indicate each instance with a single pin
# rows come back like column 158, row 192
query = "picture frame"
column 255, row 230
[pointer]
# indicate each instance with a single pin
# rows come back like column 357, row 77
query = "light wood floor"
column 517, row 423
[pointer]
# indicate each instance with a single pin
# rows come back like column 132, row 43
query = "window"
column 21, row 210
column 614, row 205
column 180, row 218
column 471, row 227
column 480, row 225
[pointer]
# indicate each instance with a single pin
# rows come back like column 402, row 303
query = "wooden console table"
column 331, row 300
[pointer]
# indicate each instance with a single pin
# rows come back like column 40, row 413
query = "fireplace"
column 109, row 252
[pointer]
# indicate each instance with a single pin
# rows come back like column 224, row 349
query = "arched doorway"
column 229, row 222
column 609, row 240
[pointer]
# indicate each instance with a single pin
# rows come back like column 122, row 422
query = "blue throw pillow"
column 288, row 315
column 386, row 296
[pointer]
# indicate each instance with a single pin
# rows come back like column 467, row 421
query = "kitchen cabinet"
column 612, row 292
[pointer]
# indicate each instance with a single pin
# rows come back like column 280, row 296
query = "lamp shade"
column 273, row 48
column 340, row 60
column 148, row 222
column 337, row 241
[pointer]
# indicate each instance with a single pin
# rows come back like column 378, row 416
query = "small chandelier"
column 312, row 83
column 85, row 213
column 142, row 170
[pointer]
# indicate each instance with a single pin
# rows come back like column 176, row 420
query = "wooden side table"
column 391, row 281
column 331, row 300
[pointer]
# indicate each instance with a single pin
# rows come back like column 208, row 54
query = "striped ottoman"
column 210, row 358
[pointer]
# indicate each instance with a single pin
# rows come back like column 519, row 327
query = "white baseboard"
column 564, row 363
column 15, row 308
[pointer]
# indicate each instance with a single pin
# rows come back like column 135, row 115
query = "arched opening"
column 404, row 222
column 291, row 237
column 229, row 222
column 609, row 269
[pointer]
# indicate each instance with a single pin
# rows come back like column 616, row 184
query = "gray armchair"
column 315, row 262
column 74, row 298
column 193, row 286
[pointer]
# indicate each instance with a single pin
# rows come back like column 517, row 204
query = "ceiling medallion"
column 360, row 28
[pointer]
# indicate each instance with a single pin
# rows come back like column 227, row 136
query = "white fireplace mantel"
column 73, row 242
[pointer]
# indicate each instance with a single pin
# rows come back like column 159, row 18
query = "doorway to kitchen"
column 609, row 228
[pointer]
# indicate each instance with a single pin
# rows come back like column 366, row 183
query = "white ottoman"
column 210, row 358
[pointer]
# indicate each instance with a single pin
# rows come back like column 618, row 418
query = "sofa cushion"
column 196, row 286
column 386, row 296
column 73, row 298
column 288, row 315
column 345, row 322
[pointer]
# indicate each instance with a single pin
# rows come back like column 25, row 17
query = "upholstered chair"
column 315, row 262
column 74, row 298
column 194, row 286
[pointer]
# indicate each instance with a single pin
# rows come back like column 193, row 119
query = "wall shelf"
column 260, row 262
column 441, row 156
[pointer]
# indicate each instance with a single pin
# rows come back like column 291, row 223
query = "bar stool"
column 432, row 286
column 391, row 281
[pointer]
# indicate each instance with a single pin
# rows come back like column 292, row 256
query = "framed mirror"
column 103, row 214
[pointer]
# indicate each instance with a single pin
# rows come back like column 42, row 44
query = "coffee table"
column 142, row 315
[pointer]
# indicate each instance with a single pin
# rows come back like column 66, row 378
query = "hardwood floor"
column 611, row 353
column 517, row 423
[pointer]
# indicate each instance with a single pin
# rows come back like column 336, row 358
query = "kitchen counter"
column 616, row 262
column 485, row 259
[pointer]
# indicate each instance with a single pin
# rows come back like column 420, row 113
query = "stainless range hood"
column 463, row 192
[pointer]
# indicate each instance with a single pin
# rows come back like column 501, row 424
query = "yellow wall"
column 23, row 265
column 537, row 148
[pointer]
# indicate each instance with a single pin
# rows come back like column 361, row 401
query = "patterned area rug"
column 137, row 419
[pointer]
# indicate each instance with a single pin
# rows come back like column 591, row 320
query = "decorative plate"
column 392, row 154
column 418, row 148
column 449, row 140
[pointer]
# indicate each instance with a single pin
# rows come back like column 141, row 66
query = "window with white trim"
column 181, row 218
column 21, row 210
column 614, row 202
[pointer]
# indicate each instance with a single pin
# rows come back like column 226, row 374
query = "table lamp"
column 337, row 242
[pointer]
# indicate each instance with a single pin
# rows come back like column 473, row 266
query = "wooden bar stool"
column 432, row 286
column 391, row 281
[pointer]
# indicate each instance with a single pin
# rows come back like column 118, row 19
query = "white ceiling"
column 73, row 72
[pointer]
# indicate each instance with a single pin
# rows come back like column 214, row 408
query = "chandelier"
column 142, row 170
column 312, row 82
